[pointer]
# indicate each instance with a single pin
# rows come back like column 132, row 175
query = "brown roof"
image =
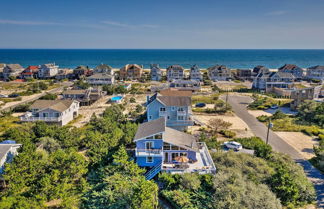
column 150, row 128
column 175, row 67
column 58, row 105
column 289, row 67
column 175, row 101
column 175, row 92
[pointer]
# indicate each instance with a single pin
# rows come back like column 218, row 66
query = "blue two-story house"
column 174, row 105
column 160, row 148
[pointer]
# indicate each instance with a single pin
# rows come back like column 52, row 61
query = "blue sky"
column 226, row 24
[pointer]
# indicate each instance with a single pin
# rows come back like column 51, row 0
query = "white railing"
column 148, row 151
column 47, row 119
column 182, row 113
column 207, row 154
column 180, row 122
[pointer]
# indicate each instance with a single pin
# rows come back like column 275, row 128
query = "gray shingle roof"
column 150, row 128
column 4, row 148
column 103, row 66
column 58, row 105
column 175, row 101
column 317, row 67
column 180, row 139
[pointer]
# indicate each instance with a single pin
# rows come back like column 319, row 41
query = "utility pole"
column 226, row 100
column 270, row 125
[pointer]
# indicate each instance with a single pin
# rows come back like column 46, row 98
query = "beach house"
column 160, row 148
column 219, row 73
column 103, row 68
column 300, row 95
column 174, row 105
column 84, row 96
column 101, row 79
column 131, row 72
column 47, row 71
column 58, row 112
column 156, row 72
column 175, row 72
column 315, row 72
column 64, row 73
column 8, row 149
column 12, row 71
column 268, row 80
column 195, row 73
column 243, row 74
column 30, row 72
column 185, row 85
column 259, row 69
column 296, row 71
column 81, row 72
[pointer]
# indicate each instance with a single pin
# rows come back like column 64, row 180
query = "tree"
column 217, row 124
column 48, row 97
column 190, row 181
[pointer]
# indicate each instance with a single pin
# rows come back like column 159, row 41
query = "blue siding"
column 141, row 161
column 153, row 110
column 157, row 143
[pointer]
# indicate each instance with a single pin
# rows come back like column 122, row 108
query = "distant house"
column 58, row 112
column 300, row 95
column 189, row 85
column 131, row 72
column 101, row 79
column 30, row 72
column 174, row 105
column 103, row 68
column 175, row 72
column 260, row 69
column 7, row 153
column 244, row 74
column 84, row 96
column 163, row 149
column 297, row 72
column 156, row 72
column 47, row 71
column 195, row 73
column 219, row 73
column 82, row 71
column 315, row 72
column 12, row 70
column 264, row 81
column 65, row 73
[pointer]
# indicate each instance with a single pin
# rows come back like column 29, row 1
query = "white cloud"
column 276, row 13
column 123, row 25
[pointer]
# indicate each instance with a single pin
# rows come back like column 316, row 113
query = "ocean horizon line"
column 157, row 49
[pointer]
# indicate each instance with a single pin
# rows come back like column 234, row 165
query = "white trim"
column 149, row 142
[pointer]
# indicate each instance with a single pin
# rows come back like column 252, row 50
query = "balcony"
column 181, row 113
column 148, row 152
column 46, row 119
column 179, row 123
column 204, row 164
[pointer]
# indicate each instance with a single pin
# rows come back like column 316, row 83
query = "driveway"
column 239, row 103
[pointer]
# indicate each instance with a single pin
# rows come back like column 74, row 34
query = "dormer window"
column 162, row 109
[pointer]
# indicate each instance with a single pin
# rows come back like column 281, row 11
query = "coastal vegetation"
column 261, row 102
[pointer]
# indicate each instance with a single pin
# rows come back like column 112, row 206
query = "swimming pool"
column 116, row 99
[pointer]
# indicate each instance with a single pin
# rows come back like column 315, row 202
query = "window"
column 180, row 109
column 149, row 159
column 150, row 137
column 150, row 117
column 174, row 147
column 166, row 146
column 173, row 108
column 56, row 114
column 180, row 117
column 45, row 114
column 148, row 145
column 162, row 109
column 158, row 136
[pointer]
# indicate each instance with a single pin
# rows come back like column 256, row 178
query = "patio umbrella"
column 182, row 159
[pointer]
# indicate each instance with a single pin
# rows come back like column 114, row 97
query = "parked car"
column 233, row 145
column 3, row 96
column 13, row 95
column 200, row 105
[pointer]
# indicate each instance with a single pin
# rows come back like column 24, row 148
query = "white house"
column 48, row 70
column 7, row 153
column 315, row 72
column 175, row 72
column 101, row 79
column 52, row 111
column 195, row 73
column 103, row 68
column 219, row 73
column 156, row 72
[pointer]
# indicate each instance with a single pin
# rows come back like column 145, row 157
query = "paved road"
column 239, row 103
column 52, row 91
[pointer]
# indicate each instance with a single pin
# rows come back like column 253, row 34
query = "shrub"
column 260, row 147
column 132, row 100
column 228, row 133
column 263, row 118
column 48, row 97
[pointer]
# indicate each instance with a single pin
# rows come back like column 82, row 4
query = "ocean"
column 233, row 58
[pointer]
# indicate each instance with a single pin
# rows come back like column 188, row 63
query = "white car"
column 3, row 96
column 233, row 145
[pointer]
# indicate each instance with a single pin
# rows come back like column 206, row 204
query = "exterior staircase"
column 153, row 172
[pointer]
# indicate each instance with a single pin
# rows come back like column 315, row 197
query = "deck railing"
column 33, row 118
column 148, row 151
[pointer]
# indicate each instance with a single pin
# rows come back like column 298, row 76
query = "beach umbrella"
column 182, row 159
